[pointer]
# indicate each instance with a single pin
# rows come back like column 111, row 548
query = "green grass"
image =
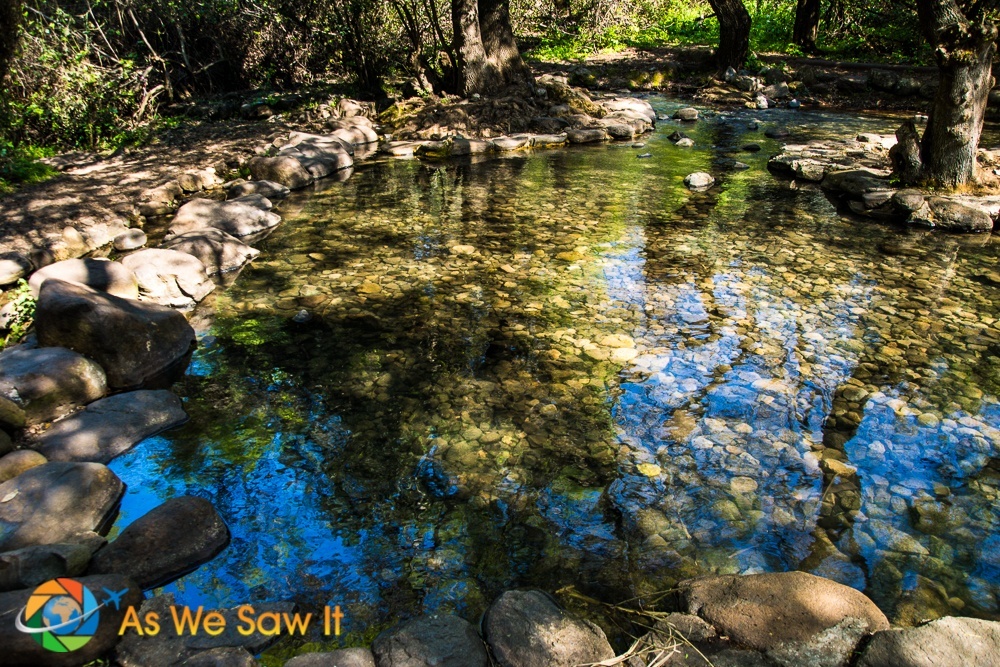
column 20, row 166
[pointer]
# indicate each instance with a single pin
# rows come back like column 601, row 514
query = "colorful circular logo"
column 61, row 615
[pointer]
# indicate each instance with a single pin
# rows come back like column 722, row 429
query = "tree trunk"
column 10, row 23
column 501, row 47
column 964, row 46
column 476, row 74
column 806, row 29
column 734, row 32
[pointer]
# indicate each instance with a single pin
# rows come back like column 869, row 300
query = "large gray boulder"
column 218, row 251
column 169, row 541
column 134, row 342
column 346, row 657
column 20, row 648
column 54, row 502
column 763, row 611
column 46, row 383
column 283, row 169
column 112, row 426
column 169, row 277
column 245, row 216
column 100, row 274
column 946, row 642
column 528, row 629
column 431, row 641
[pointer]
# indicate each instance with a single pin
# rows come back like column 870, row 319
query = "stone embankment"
column 858, row 173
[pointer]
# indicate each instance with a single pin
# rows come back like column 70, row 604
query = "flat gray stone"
column 699, row 180
column 130, row 240
column 218, row 251
column 46, row 383
column 134, row 342
column 169, row 277
column 241, row 217
column 347, row 657
column 285, row 170
column 166, row 543
column 946, row 642
column 268, row 189
column 31, row 566
column 98, row 274
column 527, row 629
column 112, row 426
column 55, row 502
column 431, row 641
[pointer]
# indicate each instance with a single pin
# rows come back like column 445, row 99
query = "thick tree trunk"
column 10, row 23
column 964, row 46
column 501, row 47
column 476, row 74
column 806, row 29
column 734, row 32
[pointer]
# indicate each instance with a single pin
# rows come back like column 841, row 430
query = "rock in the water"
column 99, row 274
column 218, row 251
column 685, row 142
column 112, row 426
column 764, row 610
column 855, row 182
column 134, row 342
column 46, row 383
column 832, row 647
column 953, row 215
column 238, row 217
column 439, row 641
column 166, row 649
column 587, row 136
column 285, row 170
column 169, row 541
column 53, row 502
column 776, row 132
column 347, row 657
column 268, row 189
column 946, row 642
column 169, row 277
column 687, row 114
column 699, row 180
column 13, row 267
column 20, row 648
column 130, row 240
column 15, row 463
column 527, row 629
column 31, row 566
column 232, row 656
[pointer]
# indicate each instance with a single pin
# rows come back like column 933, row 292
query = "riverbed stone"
column 946, row 642
column 46, row 383
column 166, row 649
column 111, row 426
column 218, row 251
column 347, row 657
column 166, row 543
column 762, row 611
column 17, row 462
column 131, row 240
column 226, row 656
column 833, row 647
column 855, row 182
column 699, row 180
column 31, row 566
column 111, row 277
column 55, row 501
column 169, row 277
column 588, row 136
column 134, row 342
column 686, row 114
column 241, row 217
column 528, row 629
column 285, row 170
column 268, row 189
column 22, row 649
column 439, row 640
column 953, row 215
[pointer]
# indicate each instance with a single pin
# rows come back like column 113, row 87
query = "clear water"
column 618, row 385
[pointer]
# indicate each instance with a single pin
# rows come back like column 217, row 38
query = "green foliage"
column 21, row 166
column 23, row 315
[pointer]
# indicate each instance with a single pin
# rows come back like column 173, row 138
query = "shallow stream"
column 563, row 368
